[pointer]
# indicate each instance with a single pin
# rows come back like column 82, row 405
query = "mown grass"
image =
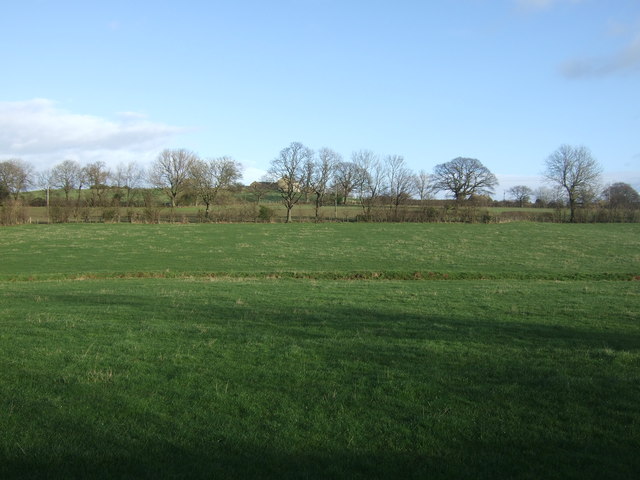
column 250, row 375
column 517, row 250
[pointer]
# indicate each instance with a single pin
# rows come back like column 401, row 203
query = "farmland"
column 320, row 351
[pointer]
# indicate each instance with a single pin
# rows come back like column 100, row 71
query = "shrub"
column 202, row 216
column 60, row 212
column 133, row 215
column 266, row 214
column 83, row 214
column 248, row 212
column 38, row 202
column 13, row 212
column 151, row 215
column 111, row 215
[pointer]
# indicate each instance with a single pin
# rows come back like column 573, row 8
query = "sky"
column 503, row 81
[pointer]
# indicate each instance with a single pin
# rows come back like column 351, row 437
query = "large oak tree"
column 464, row 177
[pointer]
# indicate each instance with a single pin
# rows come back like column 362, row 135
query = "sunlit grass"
column 518, row 250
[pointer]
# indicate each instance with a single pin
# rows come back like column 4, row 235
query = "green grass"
column 516, row 250
column 531, row 372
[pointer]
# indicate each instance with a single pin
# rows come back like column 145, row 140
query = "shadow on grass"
column 490, row 332
column 378, row 337
column 315, row 321
column 231, row 462
column 473, row 460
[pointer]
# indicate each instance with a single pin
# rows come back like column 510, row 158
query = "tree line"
column 300, row 174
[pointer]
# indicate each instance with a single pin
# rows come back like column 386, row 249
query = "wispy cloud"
column 41, row 132
column 626, row 60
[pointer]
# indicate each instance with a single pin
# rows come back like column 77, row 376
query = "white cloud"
column 252, row 174
column 626, row 60
column 40, row 132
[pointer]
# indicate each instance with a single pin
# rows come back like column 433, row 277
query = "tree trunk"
column 572, row 210
column 318, row 202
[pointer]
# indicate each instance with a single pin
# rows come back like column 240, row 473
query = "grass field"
column 320, row 351
column 516, row 250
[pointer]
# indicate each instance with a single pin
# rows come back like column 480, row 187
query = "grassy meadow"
column 320, row 351
column 515, row 250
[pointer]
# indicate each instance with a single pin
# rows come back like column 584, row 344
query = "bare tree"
column 211, row 176
column 129, row 177
column 97, row 177
column 170, row 172
column 423, row 185
column 370, row 176
column 15, row 177
column 321, row 173
column 44, row 180
column 260, row 189
column 521, row 194
column 464, row 177
column 400, row 181
column 288, row 172
column 345, row 179
column 308, row 171
column 576, row 171
column 548, row 196
column 67, row 176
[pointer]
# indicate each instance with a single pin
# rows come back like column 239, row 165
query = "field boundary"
column 337, row 276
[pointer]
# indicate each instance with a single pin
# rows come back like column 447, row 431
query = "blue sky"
column 503, row 81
